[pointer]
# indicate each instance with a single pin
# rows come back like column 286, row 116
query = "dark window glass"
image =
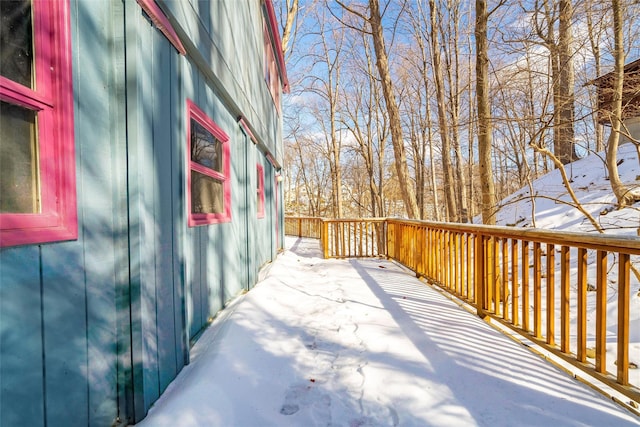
column 19, row 192
column 16, row 41
column 207, row 194
column 206, row 150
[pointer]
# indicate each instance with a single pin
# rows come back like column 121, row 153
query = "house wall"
column 93, row 330
column 632, row 126
column 59, row 302
column 225, row 41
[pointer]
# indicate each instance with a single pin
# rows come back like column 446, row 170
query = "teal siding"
column 58, row 312
column 156, row 194
column 104, row 323
column 216, row 274
column 65, row 313
column 21, row 389
column 225, row 40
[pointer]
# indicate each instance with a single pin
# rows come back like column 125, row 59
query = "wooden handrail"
column 512, row 275
column 303, row 226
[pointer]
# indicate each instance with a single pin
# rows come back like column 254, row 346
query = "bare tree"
column 564, row 145
column 547, row 14
column 376, row 29
column 419, row 95
column 289, row 28
column 447, row 169
column 449, row 20
column 413, row 89
column 594, row 42
column 326, row 55
column 624, row 195
column 308, row 169
column 484, row 114
column 364, row 118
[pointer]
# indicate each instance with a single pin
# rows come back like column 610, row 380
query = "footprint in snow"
column 307, row 396
column 289, row 409
column 366, row 421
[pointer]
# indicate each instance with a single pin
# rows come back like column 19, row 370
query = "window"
column 209, row 183
column 260, row 190
column 271, row 75
column 37, row 160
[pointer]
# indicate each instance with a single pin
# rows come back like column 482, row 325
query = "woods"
column 438, row 109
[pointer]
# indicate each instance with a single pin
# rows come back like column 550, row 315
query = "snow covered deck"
column 363, row 343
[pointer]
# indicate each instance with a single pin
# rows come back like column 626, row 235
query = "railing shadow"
column 537, row 283
column 478, row 367
column 305, row 251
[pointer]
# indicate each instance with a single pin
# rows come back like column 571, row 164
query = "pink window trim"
column 162, row 22
column 273, row 24
column 194, row 112
column 53, row 99
column 260, row 190
column 271, row 75
column 277, row 214
column 272, row 161
column 17, row 94
column 245, row 126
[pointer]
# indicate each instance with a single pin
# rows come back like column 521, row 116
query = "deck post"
column 479, row 274
column 324, row 238
column 624, row 266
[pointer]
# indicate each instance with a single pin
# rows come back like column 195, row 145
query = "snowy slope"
column 591, row 184
column 554, row 211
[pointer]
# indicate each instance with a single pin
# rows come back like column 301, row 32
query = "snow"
column 364, row 343
column 590, row 182
column 553, row 211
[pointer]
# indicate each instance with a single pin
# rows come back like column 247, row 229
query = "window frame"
column 271, row 74
column 260, row 190
column 52, row 100
column 198, row 219
column 161, row 21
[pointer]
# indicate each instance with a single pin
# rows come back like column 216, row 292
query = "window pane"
column 19, row 192
column 207, row 194
column 258, row 189
column 16, row 41
column 205, row 148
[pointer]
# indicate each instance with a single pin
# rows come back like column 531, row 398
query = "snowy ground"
column 590, row 182
column 363, row 343
column 552, row 209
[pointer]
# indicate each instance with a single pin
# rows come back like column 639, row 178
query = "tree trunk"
column 623, row 194
column 564, row 147
column 487, row 187
column 288, row 31
column 448, row 184
column 594, row 40
column 397, row 140
column 426, row 128
column 336, row 148
column 454, row 89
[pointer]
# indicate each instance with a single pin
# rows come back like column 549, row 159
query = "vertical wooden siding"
column 156, row 153
column 227, row 37
column 59, row 302
column 104, row 322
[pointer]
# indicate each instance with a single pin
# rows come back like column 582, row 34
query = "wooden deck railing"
column 303, row 226
column 538, row 283
column 354, row 238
